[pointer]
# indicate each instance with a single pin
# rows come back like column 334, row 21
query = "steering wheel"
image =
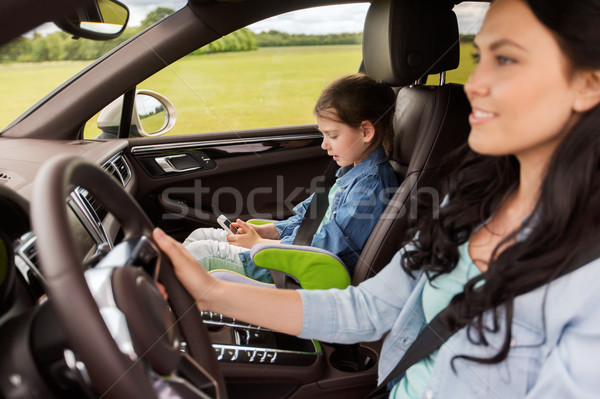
column 114, row 317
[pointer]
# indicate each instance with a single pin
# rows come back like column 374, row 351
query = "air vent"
column 119, row 169
column 93, row 203
column 90, row 212
column 123, row 169
column 10, row 179
column 30, row 252
column 114, row 172
column 26, row 261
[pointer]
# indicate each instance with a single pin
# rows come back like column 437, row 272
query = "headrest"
column 428, row 119
column 403, row 40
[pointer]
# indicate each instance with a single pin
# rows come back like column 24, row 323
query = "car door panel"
column 188, row 181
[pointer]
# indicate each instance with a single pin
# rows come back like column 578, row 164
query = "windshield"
column 267, row 74
column 36, row 63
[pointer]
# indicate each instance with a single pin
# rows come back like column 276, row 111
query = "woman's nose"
column 324, row 144
column 477, row 85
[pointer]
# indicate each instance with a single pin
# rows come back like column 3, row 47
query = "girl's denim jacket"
column 554, row 347
column 364, row 192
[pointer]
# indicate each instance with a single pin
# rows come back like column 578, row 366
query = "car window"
column 34, row 64
column 266, row 75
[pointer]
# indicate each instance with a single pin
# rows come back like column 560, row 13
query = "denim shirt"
column 364, row 192
column 554, row 347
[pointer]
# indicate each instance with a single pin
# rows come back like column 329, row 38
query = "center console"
column 238, row 342
column 259, row 362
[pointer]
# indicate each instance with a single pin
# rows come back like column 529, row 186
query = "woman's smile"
column 479, row 116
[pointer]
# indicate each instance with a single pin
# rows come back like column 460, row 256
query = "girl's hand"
column 246, row 236
column 238, row 227
column 189, row 272
column 267, row 231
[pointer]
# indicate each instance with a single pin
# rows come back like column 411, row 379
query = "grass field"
column 217, row 92
column 22, row 85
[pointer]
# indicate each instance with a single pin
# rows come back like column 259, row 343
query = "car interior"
column 79, row 313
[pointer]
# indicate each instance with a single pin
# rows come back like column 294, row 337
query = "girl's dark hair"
column 357, row 98
column 565, row 221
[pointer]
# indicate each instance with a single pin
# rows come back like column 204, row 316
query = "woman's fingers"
column 189, row 272
column 161, row 288
column 172, row 248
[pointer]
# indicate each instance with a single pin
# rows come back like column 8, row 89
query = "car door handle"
column 178, row 163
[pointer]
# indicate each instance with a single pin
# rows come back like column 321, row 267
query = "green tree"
column 55, row 44
column 155, row 16
column 275, row 38
column 467, row 38
column 240, row 40
column 11, row 51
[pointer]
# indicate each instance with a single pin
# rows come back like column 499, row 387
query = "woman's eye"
column 502, row 60
column 475, row 57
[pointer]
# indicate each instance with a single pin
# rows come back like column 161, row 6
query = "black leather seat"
column 429, row 121
column 435, row 122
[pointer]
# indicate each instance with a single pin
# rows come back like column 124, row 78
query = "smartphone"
column 226, row 224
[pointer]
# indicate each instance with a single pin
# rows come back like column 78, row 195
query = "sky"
column 334, row 19
column 321, row 20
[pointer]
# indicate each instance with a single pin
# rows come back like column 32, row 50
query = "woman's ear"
column 589, row 95
column 368, row 131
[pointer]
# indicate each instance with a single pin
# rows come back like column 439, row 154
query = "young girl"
column 522, row 207
column 355, row 116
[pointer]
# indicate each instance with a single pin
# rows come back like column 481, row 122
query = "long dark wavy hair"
column 566, row 219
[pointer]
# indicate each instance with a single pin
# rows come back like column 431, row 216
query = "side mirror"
column 100, row 20
column 153, row 115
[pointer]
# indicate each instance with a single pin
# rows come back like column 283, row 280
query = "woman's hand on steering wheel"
column 196, row 280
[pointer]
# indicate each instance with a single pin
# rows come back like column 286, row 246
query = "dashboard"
column 38, row 345
column 94, row 231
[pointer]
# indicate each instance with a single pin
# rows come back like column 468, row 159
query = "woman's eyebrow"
column 502, row 42
column 507, row 42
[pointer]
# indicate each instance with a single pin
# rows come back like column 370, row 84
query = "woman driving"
column 520, row 210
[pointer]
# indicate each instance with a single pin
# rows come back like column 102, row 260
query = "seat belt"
column 310, row 223
column 317, row 208
column 438, row 331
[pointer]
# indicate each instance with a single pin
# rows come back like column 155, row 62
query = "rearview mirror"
column 100, row 20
